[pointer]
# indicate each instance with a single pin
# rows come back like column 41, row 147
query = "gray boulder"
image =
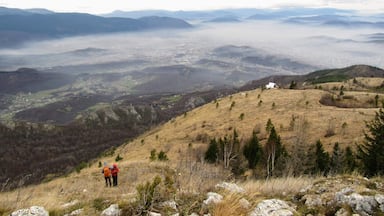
column 32, row 211
column 364, row 205
column 273, row 207
column 213, row 198
column 380, row 200
column 112, row 210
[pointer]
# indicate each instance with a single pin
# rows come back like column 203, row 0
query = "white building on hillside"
column 271, row 85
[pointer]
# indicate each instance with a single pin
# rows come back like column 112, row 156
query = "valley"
column 156, row 91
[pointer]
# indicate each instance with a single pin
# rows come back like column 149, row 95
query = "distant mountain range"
column 244, row 13
column 319, row 16
column 17, row 25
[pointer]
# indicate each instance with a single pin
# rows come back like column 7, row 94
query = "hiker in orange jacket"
column 107, row 174
column 114, row 172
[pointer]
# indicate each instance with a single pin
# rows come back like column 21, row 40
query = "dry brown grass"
column 277, row 187
column 257, row 190
column 231, row 206
column 185, row 139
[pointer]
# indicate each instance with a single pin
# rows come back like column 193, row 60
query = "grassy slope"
column 179, row 138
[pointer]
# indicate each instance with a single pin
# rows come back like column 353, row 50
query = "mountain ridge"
column 17, row 26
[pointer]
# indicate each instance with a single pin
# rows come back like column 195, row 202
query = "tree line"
column 274, row 160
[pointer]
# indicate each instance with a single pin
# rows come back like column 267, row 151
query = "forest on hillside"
column 273, row 159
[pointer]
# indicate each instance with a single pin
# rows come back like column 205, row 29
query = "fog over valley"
column 318, row 46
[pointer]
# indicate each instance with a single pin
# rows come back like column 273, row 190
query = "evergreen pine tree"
column 336, row 163
column 349, row 160
column 269, row 126
column 252, row 151
column 321, row 159
column 371, row 152
column 212, row 152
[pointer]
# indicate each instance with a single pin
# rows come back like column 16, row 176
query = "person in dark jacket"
column 114, row 172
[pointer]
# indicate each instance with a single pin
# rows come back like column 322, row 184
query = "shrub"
column 153, row 155
column 147, row 194
column 109, row 152
column 330, row 132
column 212, row 152
column 232, row 105
column 118, row 158
column 241, row 117
column 162, row 156
column 190, row 202
column 81, row 166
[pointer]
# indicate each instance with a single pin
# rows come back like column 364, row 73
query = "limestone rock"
column 364, row 205
column 112, row 210
column 72, row 203
column 32, row 211
column 213, row 198
column 76, row 212
column 312, row 200
column 380, row 200
column 234, row 188
column 273, row 207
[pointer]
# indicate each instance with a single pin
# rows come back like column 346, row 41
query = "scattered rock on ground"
column 273, row 207
column 112, row 210
column 32, row 211
column 213, row 198
column 234, row 188
column 76, row 212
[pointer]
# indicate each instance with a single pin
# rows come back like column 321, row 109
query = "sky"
column 106, row 6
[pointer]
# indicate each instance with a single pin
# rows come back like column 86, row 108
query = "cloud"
column 325, row 47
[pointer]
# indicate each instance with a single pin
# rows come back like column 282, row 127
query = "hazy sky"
column 105, row 6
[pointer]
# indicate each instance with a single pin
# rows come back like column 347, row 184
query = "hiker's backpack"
column 107, row 171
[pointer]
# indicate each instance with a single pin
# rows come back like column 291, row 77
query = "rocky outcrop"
column 359, row 195
column 340, row 196
column 32, row 211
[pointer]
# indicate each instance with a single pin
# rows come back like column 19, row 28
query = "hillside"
column 320, row 76
column 55, row 133
column 297, row 115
